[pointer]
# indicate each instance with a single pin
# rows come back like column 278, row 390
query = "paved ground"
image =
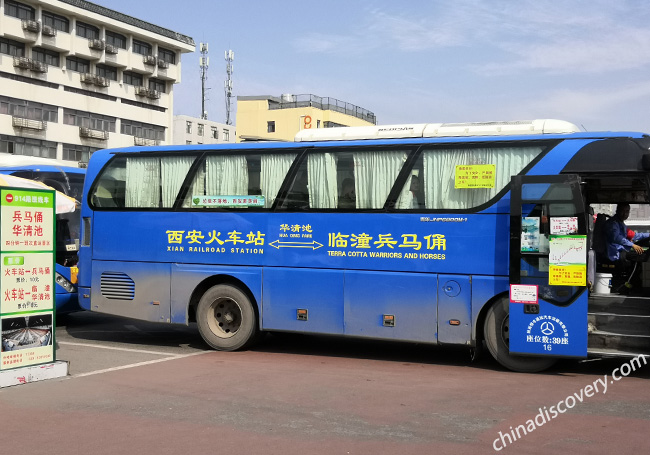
column 153, row 389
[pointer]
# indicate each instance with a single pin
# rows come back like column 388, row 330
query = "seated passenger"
column 348, row 198
column 620, row 249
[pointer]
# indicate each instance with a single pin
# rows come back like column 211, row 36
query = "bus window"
column 237, row 181
column 345, row 179
column 462, row 178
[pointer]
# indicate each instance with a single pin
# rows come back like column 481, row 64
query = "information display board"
column 27, row 255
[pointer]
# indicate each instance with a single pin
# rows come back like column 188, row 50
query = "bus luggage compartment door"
column 372, row 298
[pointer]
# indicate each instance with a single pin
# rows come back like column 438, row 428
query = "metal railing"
column 324, row 103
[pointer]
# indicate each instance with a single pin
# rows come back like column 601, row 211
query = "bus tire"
column 226, row 318
column 496, row 332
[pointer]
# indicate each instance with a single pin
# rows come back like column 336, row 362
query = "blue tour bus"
column 462, row 234
column 68, row 180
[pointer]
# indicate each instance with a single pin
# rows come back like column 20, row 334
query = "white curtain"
column 375, row 174
column 142, row 182
column 226, row 176
column 173, row 170
column 405, row 199
column 440, row 171
column 274, row 169
column 321, row 173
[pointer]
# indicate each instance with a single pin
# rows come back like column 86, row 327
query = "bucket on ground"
column 603, row 284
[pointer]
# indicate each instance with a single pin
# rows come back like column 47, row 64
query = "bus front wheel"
column 226, row 318
column 496, row 330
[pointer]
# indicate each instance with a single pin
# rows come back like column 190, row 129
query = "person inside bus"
column 417, row 200
column 621, row 250
column 348, row 199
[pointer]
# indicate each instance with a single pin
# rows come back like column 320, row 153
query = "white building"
column 76, row 77
column 192, row 130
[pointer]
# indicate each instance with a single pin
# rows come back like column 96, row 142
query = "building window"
column 78, row 153
column 19, row 10
column 28, row 109
column 89, row 120
column 226, row 135
column 27, row 147
column 188, row 142
column 115, row 39
column 157, row 85
column 215, row 132
column 132, row 78
column 140, row 47
column 107, row 71
column 46, row 56
column 143, row 130
column 11, row 47
column 87, row 31
column 77, row 64
column 188, row 127
column 55, row 21
column 270, row 127
column 199, row 129
column 166, row 55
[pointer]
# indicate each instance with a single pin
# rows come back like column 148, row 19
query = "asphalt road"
column 155, row 389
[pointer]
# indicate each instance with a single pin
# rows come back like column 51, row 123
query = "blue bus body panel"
column 454, row 309
column 409, row 297
column 319, row 291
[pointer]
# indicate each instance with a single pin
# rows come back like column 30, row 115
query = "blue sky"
column 585, row 61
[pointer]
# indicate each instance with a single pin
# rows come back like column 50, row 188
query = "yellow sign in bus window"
column 475, row 176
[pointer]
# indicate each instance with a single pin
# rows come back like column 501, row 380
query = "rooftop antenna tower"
column 230, row 56
column 204, row 62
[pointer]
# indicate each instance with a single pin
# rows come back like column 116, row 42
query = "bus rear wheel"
column 496, row 330
column 226, row 318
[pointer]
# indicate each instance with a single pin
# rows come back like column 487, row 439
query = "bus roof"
column 545, row 126
column 42, row 168
column 20, row 161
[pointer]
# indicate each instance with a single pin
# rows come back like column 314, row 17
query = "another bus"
column 68, row 180
column 452, row 234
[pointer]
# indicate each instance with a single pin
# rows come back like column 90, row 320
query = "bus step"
column 621, row 324
column 594, row 352
column 617, row 342
column 619, row 304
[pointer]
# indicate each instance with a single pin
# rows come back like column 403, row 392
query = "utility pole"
column 204, row 62
column 230, row 56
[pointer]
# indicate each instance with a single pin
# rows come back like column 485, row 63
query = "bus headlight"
column 63, row 282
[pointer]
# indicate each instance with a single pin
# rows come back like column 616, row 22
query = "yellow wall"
column 253, row 117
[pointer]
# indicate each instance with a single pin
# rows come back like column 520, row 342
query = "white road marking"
column 88, row 345
column 139, row 364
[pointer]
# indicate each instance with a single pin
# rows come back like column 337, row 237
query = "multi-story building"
column 76, row 77
column 272, row 118
column 192, row 130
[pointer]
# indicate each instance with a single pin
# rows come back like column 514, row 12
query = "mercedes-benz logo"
column 547, row 328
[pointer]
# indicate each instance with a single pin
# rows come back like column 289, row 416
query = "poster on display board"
column 27, row 266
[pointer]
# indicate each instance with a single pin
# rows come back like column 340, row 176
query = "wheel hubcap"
column 227, row 318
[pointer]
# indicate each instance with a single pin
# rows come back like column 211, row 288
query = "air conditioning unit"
column 96, row 44
column 144, row 141
column 102, row 81
column 22, row 62
column 31, row 26
column 38, row 67
column 110, row 49
column 87, row 78
column 49, row 30
column 149, row 60
column 162, row 64
column 153, row 94
column 84, row 131
column 141, row 91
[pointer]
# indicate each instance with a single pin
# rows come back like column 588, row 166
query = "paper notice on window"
column 475, row 176
column 523, row 293
column 564, row 225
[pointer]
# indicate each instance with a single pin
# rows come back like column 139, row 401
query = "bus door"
column 548, row 267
